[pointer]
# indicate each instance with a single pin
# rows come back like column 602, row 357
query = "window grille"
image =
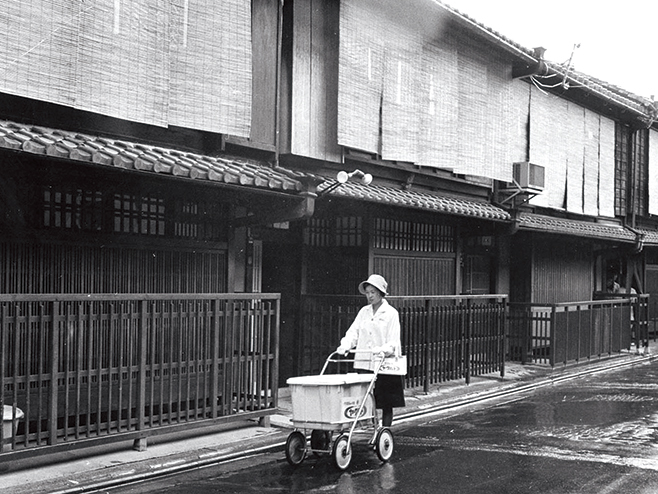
column 622, row 151
column 640, row 179
column 73, row 209
column 335, row 232
column 411, row 236
column 200, row 220
column 134, row 213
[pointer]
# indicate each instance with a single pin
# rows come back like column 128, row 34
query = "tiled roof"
column 130, row 155
column 615, row 94
column 650, row 237
column 579, row 228
column 639, row 104
column 415, row 199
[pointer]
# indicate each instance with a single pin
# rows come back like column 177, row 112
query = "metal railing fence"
column 570, row 332
column 98, row 366
column 444, row 337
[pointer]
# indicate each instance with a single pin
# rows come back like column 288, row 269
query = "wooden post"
column 426, row 331
column 214, row 372
column 54, row 366
column 140, row 443
column 467, row 332
column 551, row 350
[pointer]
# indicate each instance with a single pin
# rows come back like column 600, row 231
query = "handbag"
column 395, row 366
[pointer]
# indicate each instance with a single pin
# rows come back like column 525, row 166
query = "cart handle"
column 330, row 359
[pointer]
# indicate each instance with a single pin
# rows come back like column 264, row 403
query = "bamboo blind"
column 500, row 118
column 161, row 62
column 548, row 134
column 400, row 101
column 607, row 168
column 575, row 127
column 592, row 165
column 576, row 146
column 38, row 48
column 440, row 102
column 653, row 172
column 472, row 115
column 440, row 118
column 519, row 115
column 361, row 66
column 211, row 65
column 121, row 61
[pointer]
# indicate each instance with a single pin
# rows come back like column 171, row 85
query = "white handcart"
column 335, row 403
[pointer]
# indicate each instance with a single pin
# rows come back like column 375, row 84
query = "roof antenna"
column 565, row 83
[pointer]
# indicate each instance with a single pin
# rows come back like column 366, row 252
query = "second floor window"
column 631, row 170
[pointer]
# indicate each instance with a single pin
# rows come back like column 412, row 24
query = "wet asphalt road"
column 591, row 435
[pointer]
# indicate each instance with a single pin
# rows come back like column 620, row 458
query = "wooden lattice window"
column 73, row 209
column 640, row 178
column 344, row 231
column 622, row 167
column 139, row 214
column 412, row 236
column 202, row 220
column 631, row 170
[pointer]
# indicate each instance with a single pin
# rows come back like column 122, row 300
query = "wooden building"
column 164, row 146
column 495, row 170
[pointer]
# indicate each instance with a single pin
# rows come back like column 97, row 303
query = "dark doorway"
column 281, row 274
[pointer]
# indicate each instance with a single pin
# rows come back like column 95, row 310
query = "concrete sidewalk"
column 90, row 469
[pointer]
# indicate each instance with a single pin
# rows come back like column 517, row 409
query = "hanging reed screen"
column 407, row 93
column 122, row 54
column 160, row 62
column 211, row 65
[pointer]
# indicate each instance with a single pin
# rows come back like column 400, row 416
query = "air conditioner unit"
column 529, row 176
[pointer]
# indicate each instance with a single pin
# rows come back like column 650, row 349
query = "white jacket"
column 374, row 332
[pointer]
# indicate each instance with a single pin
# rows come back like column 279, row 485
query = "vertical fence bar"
column 54, row 367
column 503, row 321
column 526, row 328
column 468, row 326
column 140, row 443
column 274, row 382
column 5, row 353
column 552, row 325
column 425, row 328
column 214, row 359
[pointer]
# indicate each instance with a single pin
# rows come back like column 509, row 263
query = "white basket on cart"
column 328, row 403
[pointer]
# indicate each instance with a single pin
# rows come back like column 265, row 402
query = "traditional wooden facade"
column 193, row 147
column 438, row 108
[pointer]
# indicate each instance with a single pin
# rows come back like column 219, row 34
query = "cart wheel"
column 342, row 452
column 295, row 448
column 320, row 441
column 384, row 444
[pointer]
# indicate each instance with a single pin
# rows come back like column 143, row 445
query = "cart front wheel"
column 295, row 448
column 384, row 444
column 342, row 452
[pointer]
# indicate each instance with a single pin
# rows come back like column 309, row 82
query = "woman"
column 376, row 329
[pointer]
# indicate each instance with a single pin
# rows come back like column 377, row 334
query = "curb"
column 172, row 467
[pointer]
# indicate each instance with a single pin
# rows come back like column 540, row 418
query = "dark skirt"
column 389, row 391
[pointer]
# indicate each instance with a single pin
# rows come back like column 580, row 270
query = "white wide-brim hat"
column 375, row 280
